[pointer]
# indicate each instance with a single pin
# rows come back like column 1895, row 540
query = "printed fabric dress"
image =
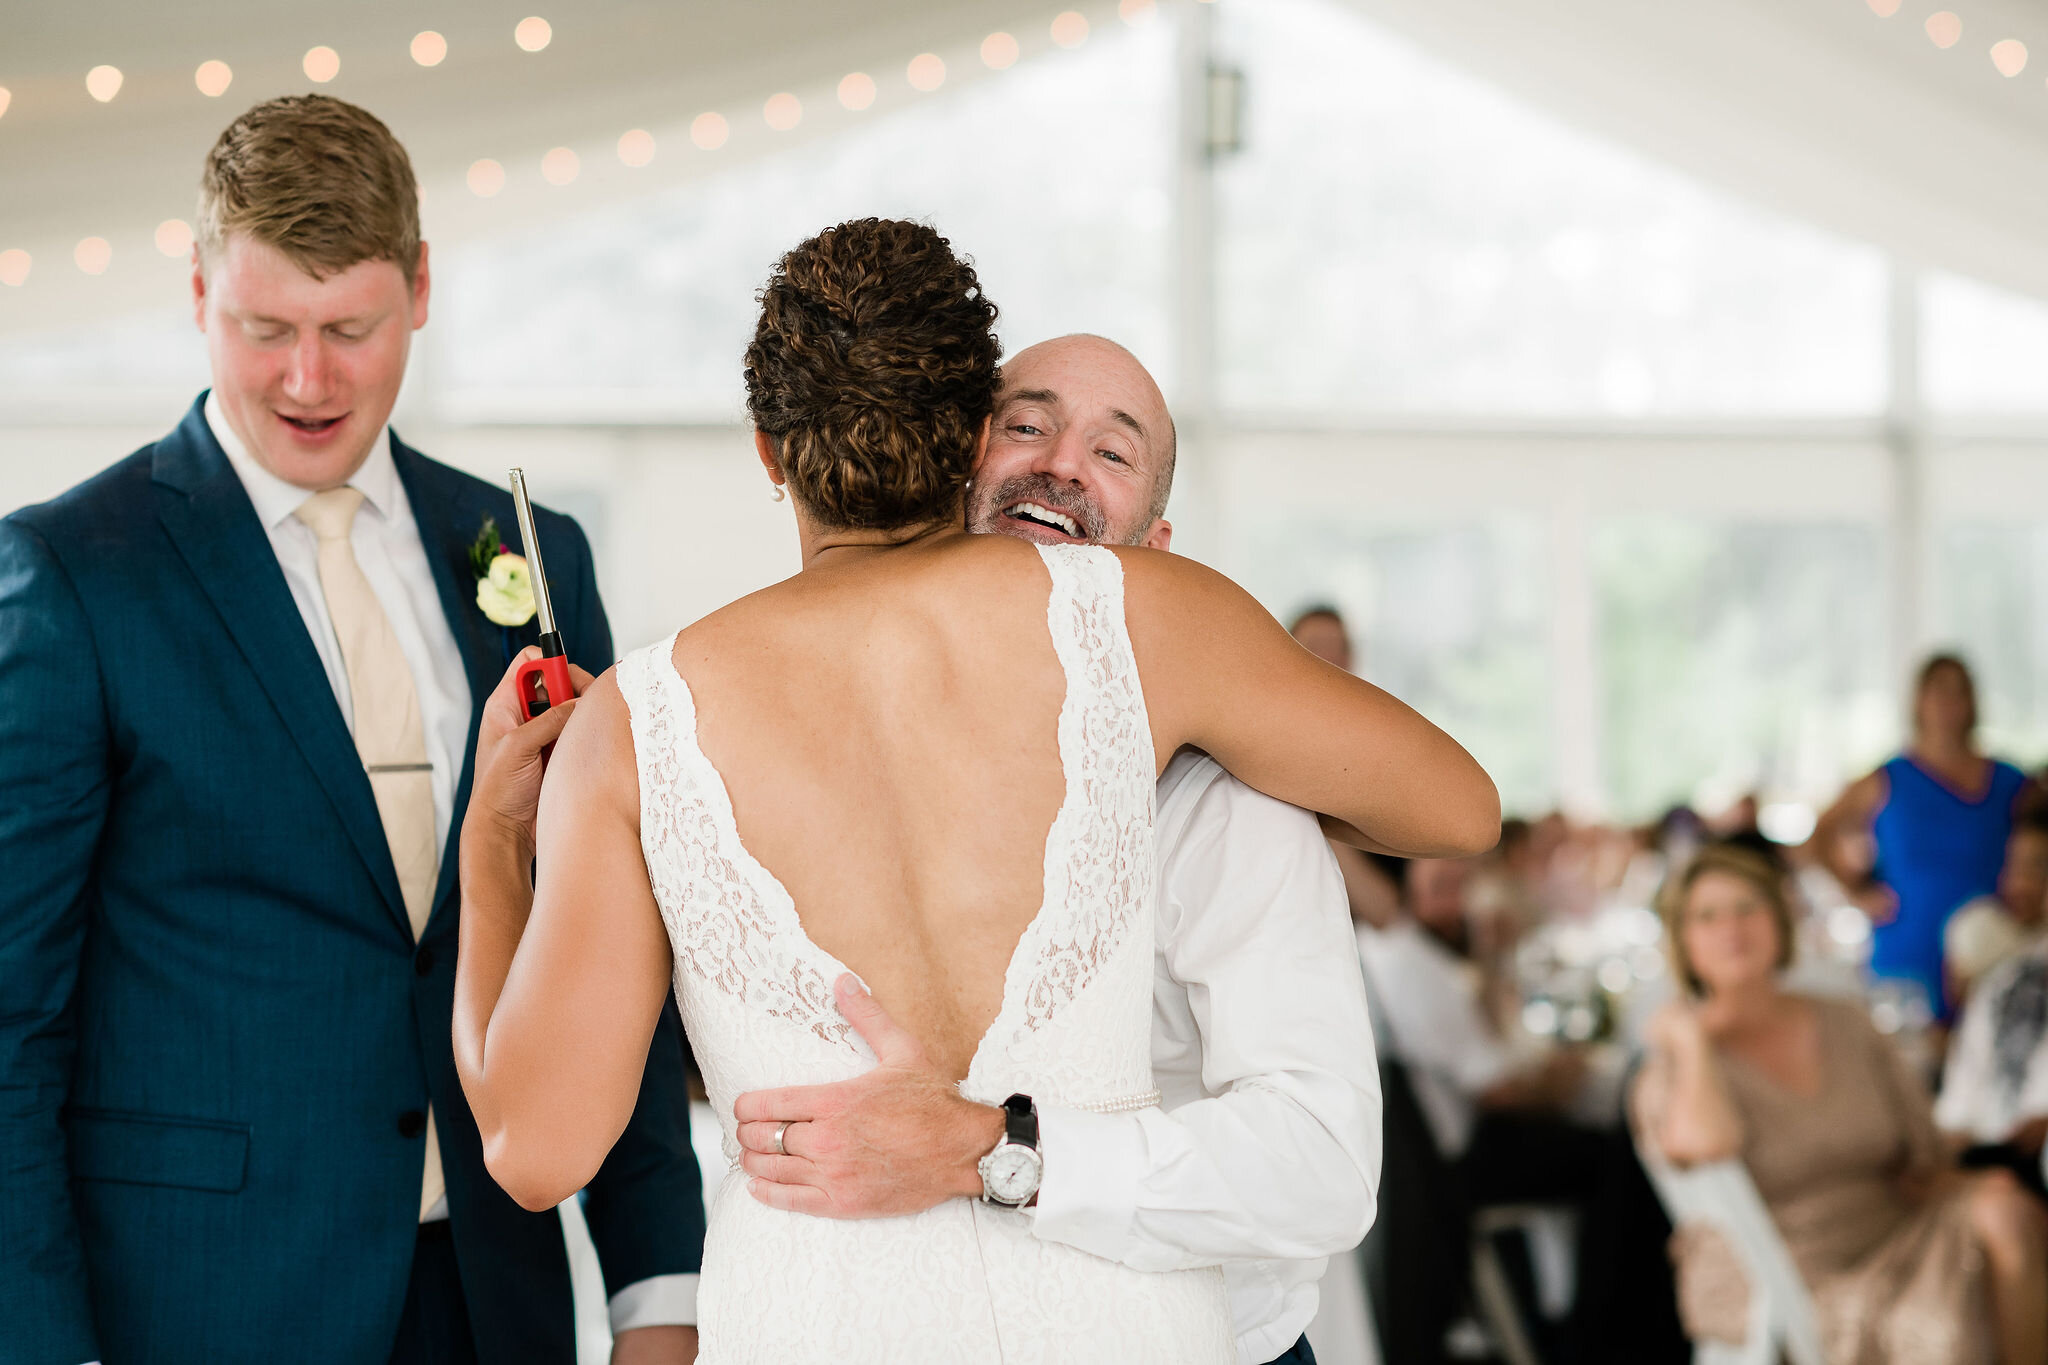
column 965, row 1281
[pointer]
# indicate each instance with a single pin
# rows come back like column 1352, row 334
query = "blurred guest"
column 1994, row 1090
column 1476, row 1094
column 1741, row 826
column 1504, row 903
column 1366, row 886
column 1992, row 928
column 1938, row 815
column 1322, row 633
column 1898, row 1249
column 1500, row 1118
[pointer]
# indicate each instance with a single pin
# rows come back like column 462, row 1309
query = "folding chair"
column 1782, row 1322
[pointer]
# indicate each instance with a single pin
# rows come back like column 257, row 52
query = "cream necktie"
column 388, row 732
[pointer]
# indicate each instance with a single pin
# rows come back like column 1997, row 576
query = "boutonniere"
column 504, row 586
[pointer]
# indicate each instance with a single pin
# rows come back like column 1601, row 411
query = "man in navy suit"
column 239, row 673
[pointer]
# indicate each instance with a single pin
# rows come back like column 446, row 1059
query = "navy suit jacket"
column 217, row 1035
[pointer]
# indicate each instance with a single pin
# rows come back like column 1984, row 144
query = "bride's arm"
column 1221, row 674
column 559, row 986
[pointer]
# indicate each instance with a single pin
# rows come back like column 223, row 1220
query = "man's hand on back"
column 895, row 1141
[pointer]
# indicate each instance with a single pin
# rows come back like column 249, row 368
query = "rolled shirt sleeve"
column 660, row 1301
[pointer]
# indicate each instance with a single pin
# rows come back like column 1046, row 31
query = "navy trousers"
column 1297, row 1354
column 434, row 1330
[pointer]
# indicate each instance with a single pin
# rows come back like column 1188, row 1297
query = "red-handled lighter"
column 552, row 667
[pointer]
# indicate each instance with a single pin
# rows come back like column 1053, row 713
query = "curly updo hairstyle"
column 872, row 369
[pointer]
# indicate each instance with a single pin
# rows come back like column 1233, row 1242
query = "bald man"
column 1265, row 1156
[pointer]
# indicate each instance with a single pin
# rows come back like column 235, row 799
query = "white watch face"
column 1010, row 1173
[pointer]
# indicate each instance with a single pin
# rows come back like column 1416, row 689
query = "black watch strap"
column 1020, row 1121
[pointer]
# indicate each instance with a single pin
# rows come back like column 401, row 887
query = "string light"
column 636, row 147
column 926, row 72
column 560, row 166
column 1135, row 12
column 1944, row 28
column 322, row 64
column 429, row 48
column 174, row 237
column 1884, row 9
column 998, row 51
column 533, row 33
column 857, row 90
column 486, row 178
column 1070, row 29
column 14, row 263
column 5, row 99
column 2009, row 56
column 103, row 82
column 783, row 112
column 708, row 131
column 93, row 255
column 213, row 79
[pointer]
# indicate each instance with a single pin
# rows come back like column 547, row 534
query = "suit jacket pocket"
column 152, row 1149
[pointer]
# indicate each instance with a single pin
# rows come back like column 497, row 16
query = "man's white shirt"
column 387, row 545
column 1265, row 1157
column 1429, row 1002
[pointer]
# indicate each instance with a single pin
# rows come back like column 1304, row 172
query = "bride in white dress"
column 928, row 758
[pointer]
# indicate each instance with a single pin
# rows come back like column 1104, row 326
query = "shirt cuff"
column 659, row 1301
column 1093, row 1166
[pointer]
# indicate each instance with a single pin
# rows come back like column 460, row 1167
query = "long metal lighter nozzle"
column 524, row 507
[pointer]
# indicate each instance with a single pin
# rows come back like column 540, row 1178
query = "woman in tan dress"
column 1909, row 1261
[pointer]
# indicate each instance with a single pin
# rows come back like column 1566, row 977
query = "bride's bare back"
column 887, row 729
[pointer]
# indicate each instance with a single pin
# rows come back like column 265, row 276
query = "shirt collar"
column 276, row 500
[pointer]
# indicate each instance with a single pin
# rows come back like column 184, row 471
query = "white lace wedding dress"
column 966, row 1281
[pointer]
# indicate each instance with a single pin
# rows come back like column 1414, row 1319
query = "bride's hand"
column 897, row 1140
column 506, row 789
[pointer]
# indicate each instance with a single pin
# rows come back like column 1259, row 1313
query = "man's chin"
column 319, row 460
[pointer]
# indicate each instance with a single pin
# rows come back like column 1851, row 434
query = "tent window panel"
column 1452, row 618
column 1983, row 351
column 1737, row 657
column 1993, row 599
column 1400, row 237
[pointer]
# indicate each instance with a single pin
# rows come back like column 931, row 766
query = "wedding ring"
column 780, row 1130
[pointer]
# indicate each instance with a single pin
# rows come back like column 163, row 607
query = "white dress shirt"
column 387, row 545
column 1265, row 1158
column 1429, row 1001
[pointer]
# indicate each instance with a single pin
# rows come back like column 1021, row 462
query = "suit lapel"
column 208, row 516
column 449, row 515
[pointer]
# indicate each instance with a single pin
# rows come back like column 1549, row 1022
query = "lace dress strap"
column 1098, row 853
column 731, row 924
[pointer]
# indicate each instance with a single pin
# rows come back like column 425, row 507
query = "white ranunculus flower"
column 505, row 595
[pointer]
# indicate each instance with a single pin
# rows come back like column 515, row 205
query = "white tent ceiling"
column 1818, row 108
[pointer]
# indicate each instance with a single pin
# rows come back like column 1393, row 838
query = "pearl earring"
column 775, row 493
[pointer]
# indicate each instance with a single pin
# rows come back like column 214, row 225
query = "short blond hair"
column 1754, row 868
column 317, row 178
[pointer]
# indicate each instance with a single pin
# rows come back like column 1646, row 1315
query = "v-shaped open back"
column 736, row 930
column 1073, row 1029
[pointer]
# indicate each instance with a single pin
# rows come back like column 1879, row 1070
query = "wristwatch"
column 1011, row 1171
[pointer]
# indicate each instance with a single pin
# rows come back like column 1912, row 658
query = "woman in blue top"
column 1939, row 815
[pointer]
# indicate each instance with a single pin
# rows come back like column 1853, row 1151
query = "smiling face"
column 1730, row 932
column 1079, row 448
column 306, row 369
column 1946, row 703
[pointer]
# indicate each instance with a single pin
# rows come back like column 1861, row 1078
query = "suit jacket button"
column 423, row 961
column 411, row 1123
